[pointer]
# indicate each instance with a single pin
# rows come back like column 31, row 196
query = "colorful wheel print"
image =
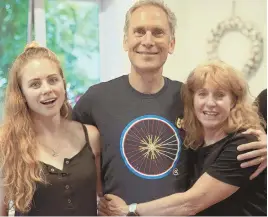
column 150, row 146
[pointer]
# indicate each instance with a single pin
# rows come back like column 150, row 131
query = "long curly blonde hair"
column 243, row 115
column 20, row 168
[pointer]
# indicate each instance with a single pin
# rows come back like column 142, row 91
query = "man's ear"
column 125, row 44
column 171, row 45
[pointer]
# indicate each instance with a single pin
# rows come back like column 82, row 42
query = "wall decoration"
column 235, row 23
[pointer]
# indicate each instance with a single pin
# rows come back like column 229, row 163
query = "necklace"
column 54, row 153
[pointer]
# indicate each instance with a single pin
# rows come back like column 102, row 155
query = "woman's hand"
column 112, row 205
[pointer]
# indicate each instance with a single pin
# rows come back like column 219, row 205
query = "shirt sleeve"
column 261, row 101
column 227, row 168
column 82, row 111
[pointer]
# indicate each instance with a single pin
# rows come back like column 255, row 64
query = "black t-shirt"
column 220, row 161
column 140, row 144
column 262, row 105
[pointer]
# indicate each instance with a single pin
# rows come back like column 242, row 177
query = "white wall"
column 195, row 20
column 113, row 60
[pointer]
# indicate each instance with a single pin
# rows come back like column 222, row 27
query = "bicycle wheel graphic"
column 150, row 146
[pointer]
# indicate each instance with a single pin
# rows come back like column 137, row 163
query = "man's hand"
column 256, row 157
column 111, row 205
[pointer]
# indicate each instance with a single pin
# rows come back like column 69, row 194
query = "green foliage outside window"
column 73, row 34
column 13, row 37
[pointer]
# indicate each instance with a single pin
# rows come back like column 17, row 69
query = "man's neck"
column 147, row 83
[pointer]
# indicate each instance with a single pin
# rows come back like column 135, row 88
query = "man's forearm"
column 176, row 204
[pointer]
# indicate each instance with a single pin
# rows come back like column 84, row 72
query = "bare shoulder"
column 75, row 128
column 92, row 131
column 75, row 133
column 94, row 139
column 93, row 134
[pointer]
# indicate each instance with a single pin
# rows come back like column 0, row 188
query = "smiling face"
column 212, row 106
column 148, row 40
column 42, row 87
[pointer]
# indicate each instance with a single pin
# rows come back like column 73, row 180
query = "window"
column 13, row 32
column 72, row 32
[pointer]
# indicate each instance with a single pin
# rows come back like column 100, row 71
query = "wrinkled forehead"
column 149, row 16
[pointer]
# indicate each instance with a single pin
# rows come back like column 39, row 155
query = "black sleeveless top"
column 71, row 191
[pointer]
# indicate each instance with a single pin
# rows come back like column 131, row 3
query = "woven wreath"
column 236, row 24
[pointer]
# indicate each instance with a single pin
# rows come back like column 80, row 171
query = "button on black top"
column 79, row 177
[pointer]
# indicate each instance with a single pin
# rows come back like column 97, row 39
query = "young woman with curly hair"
column 48, row 162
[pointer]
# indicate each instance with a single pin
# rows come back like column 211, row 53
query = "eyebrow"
column 153, row 28
column 37, row 79
column 34, row 79
column 57, row 74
